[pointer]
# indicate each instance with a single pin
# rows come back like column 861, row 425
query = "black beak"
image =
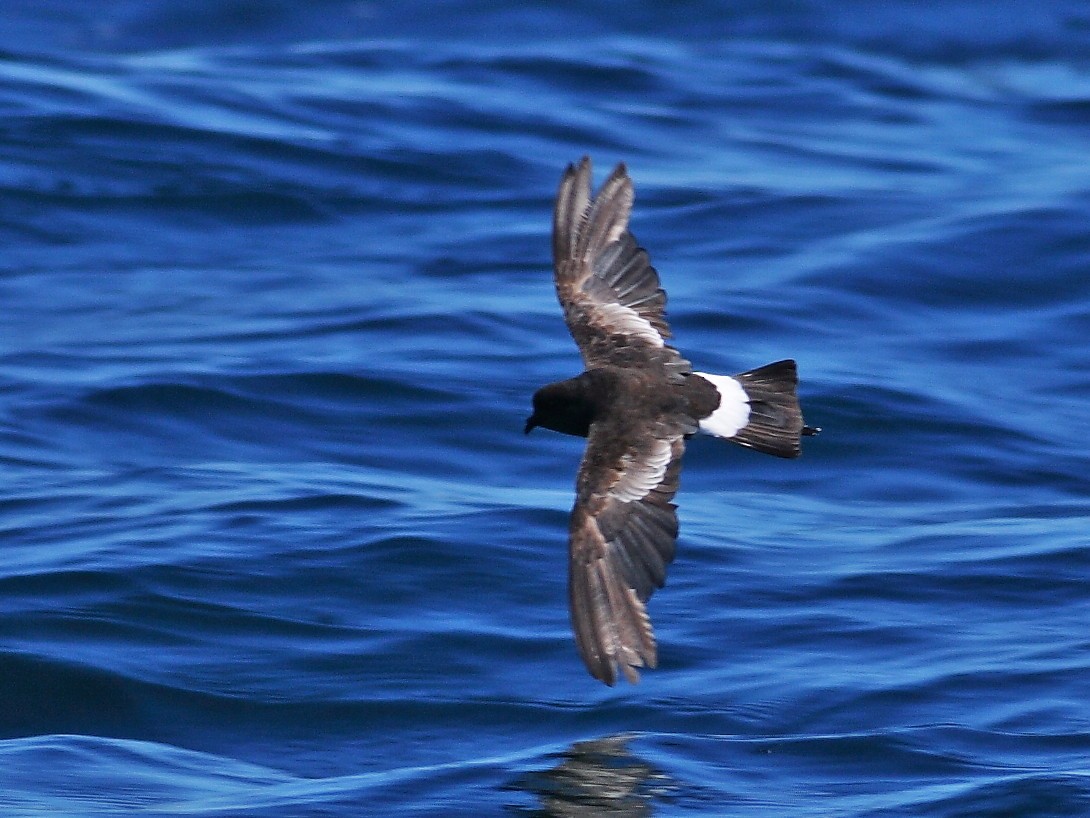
column 531, row 422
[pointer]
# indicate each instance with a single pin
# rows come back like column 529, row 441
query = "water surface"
column 276, row 290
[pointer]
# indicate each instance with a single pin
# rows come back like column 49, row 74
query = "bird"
column 637, row 402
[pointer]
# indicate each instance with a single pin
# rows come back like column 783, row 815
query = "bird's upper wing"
column 623, row 531
column 612, row 299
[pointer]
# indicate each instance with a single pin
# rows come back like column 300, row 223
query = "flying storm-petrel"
column 636, row 403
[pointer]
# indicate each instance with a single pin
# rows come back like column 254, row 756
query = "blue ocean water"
column 275, row 291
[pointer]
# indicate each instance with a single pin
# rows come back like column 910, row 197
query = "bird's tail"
column 759, row 409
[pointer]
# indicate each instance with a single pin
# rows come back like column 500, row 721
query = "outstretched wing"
column 623, row 532
column 612, row 299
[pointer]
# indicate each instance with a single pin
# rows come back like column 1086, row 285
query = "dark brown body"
column 571, row 406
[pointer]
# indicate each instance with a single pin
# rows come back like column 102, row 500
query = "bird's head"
column 562, row 407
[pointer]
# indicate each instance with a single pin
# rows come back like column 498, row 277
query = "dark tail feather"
column 775, row 419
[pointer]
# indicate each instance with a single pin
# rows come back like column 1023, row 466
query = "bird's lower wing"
column 623, row 535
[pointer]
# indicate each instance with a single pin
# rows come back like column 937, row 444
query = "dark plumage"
column 636, row 403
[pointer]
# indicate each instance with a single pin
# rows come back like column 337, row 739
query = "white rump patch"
column 733, row 412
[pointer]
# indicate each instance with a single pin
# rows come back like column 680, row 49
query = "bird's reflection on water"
column 597, row 777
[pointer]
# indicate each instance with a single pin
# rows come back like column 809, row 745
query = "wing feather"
column 614, row 304
column 623, row 534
